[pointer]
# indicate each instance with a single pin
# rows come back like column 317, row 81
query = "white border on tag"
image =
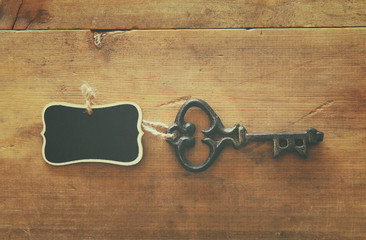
column 139, row 143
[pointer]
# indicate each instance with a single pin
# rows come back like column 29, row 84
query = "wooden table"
column 268, row 65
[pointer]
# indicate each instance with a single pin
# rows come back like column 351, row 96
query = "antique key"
column 237, row 136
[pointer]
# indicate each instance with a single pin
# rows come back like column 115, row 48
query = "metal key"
column 237, row 136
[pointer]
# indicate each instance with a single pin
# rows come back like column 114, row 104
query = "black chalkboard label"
column 111, row 134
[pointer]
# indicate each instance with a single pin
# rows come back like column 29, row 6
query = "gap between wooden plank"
column 173, row 29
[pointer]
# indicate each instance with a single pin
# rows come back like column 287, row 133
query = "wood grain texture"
column 267, row 80
column 166, row 14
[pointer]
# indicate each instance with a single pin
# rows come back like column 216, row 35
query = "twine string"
column 153, row 128
column 149, row 126
column 89, row 95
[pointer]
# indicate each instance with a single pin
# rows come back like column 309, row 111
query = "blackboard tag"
column 111, row 134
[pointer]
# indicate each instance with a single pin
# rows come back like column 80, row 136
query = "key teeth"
column 276, row 148
column 313, row 136
column 302, row 151
column 276, row 152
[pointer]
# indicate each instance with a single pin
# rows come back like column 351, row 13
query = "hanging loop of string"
column 89, row 95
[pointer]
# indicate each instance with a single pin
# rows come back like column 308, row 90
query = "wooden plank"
column 268, row 80
column 137, row 14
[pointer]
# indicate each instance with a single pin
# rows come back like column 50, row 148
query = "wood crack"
column 7, row 147
column 315, row 110
column 16, row 16
column 30, row 22
column 177, row 101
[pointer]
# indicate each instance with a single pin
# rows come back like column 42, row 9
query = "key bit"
column 236, row 136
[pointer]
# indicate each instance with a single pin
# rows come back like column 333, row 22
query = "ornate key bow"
column 237, row 136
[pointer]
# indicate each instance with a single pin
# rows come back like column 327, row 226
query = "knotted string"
column 149, row 126
column 89, row 95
